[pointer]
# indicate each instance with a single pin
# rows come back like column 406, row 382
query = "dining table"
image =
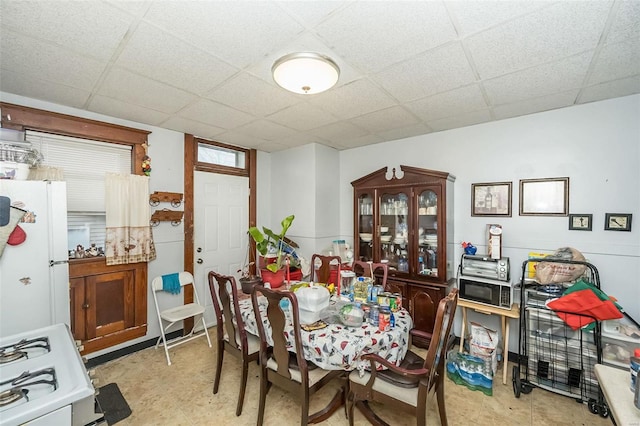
column 337, row 346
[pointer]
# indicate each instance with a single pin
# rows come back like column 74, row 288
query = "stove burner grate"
column 20, row 385
column 21, row 349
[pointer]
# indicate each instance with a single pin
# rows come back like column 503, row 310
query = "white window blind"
column 84, row 163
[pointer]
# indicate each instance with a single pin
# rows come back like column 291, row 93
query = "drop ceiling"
column 407, row 68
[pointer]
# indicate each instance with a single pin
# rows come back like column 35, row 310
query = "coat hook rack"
column 175, row 198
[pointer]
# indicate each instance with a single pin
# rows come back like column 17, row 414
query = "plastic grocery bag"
column 554, row 273
column 484, row 343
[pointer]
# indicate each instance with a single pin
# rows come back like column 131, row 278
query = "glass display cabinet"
column 405, row 218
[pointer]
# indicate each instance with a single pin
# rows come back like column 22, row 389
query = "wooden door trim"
column 190, row 165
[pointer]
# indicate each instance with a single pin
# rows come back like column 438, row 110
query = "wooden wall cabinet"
column 405, row 218
column 108, row 303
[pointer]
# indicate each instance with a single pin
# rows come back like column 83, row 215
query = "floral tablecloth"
column 338, row 347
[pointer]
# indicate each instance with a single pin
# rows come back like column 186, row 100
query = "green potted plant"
column 268, row 242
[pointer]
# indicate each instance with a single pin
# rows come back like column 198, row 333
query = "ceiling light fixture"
column 306, row 73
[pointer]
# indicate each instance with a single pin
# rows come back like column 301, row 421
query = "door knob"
column 200, row 261
column 199, row 249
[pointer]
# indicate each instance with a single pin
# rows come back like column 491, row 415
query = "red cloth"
column 588, row 307
column 17, row 236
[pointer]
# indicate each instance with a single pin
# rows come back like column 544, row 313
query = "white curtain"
column 129, row 237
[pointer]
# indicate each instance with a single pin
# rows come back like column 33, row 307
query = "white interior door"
column 221, row 220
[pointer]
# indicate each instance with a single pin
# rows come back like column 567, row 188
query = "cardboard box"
column 531, row 266
column 494, row 241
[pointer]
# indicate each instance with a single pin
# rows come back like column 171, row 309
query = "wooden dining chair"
column 322, row 268
column 407, row 386
column 289, row 370
column 372, row 269
column 232, row 336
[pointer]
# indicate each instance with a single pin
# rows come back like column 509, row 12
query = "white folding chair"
column 168, row 317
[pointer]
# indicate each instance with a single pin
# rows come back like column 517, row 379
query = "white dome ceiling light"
column 305, row 73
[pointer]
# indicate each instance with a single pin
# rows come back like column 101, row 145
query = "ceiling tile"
column 253, row 95
column 340, row 143
column 134, row 7
column 548, row 34
column 48, row 62
column 233, row 137
column 353, row 99
column 129, row 87
column 215, row 114
column 616, row 61
column 311, row 13
column 405, row 132
column 474, row 16
column 204, row 67
column 265, row 129
column 374, row 35
column 97, row 29
column 300, row 138
column 625, row 22
column 237, row 32
column 116, row 108
column 537, row 81
column 303, row 116
column 193, row 127
column 531, row 106
column 341, row 130
column 436, row 71
column 447, row 104
column 616, row 88
column 163, row 57
column 18, row 83
column 461, row 120
column 385, row 119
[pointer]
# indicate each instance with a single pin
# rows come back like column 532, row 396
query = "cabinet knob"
column 199, row 249
column 85, row 306
column 200, row 261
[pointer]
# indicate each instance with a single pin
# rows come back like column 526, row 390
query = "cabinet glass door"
column 427, row 233
column 365, row 231
column 394, row 231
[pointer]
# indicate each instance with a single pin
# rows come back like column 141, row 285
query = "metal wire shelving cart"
column 552, row 355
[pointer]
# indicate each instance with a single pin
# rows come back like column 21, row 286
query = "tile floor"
column 181, row 394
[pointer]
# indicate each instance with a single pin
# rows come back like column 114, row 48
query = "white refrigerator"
column 34, row 275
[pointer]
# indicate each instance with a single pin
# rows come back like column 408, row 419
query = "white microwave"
column 486, row 291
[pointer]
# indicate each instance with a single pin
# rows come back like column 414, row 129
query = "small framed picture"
column 580, row 222
column 491, row 199
column 617, row 222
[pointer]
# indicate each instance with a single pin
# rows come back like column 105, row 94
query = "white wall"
column 596, row 145
column 304, row 182
column 166, row 149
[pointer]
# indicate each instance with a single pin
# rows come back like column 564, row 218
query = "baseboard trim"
column 94, row 362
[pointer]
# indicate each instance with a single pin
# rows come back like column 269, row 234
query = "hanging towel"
column 171, row 283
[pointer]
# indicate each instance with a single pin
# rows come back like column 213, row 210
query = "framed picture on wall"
column 580, row 222
column 491, row 199
column 617, row 222
column 544, row 197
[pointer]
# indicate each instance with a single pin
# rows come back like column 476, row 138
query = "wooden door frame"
column 190, row 166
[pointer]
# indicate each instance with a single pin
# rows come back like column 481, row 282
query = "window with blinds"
column 83, row 163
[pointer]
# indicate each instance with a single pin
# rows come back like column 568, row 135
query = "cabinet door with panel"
column 108, row 304
column 402, row 218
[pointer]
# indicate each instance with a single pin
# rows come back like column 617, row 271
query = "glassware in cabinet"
column 365, row 227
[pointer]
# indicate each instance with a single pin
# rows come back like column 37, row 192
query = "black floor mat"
column 113, row 404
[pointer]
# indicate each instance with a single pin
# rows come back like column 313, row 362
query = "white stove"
column 43, row 380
